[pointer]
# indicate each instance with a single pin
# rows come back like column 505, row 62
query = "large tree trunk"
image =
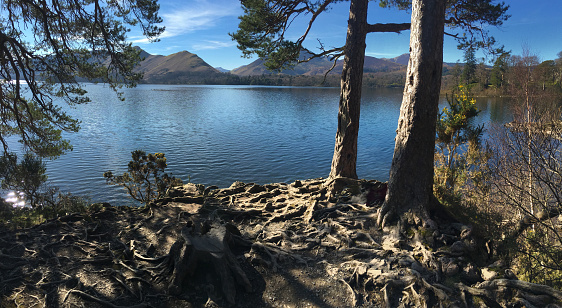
column 345, row 150
column 410, row 187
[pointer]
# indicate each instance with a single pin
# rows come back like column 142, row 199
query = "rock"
column 338, row 185
column 297, row 184
column 459, row 248
column 406, row 261
column 488, row 274
column 260, row 196
column 392, row 240
column 189, row 189
column 416, row 266
column 498, row 263
column 198, row 199
column 254, row 189
column 470, row 274
column 509, row 274
column 449, row 267
column 374, row 272
column 232, row 190
column 271, row 187
column 236, row 185
column 375, row 192
column 195, row 189
column 208, row 189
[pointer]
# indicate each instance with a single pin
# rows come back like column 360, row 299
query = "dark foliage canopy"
column 264, row 24
column 46, row 45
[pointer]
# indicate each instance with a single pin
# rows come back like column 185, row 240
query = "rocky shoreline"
column 305, row 244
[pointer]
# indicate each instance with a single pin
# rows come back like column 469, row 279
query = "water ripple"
column 216, row 135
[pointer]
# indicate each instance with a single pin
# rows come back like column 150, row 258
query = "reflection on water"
column 16, row 199
column 215, row 135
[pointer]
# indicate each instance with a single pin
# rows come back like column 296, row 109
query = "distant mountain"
column 188, row 68
column 313, row 67
column 404, row 58
column 317, row 66
column 180, row 67
column 401, row 59
column 222, row 70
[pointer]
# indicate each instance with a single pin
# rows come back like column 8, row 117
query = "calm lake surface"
column 215, row 135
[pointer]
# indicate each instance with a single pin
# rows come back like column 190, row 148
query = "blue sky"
column 202, row 27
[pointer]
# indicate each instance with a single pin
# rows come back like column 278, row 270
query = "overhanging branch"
column 388, row 27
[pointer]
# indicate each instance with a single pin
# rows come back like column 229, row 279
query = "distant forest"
column 371, row 80
column 483, row 79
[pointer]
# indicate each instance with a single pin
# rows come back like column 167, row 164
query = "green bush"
column 461, row 173
column 56, row 204
column 145, row 180
column 26, row 176
column 457, row 140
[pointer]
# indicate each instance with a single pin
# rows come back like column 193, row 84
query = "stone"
column 297, row 184
column 450, row 268
column 195, row 189
column 270, row 187
column 416, row 266
column 509, row 274
column 208, row 189
column 406, row 261
column 488, row 274
column 391, row 243
column 361, row 270
column 459, row 248
column 498, row 263
column 236, row 185
column 470, row 274
column 232, row 190
column 254, row 189
column 374, row 272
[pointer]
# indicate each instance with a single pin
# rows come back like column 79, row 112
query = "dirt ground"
column 275, row 245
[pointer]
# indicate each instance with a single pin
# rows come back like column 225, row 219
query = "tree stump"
column 210, row 249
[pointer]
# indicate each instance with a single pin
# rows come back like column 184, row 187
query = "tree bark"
column 345, row 151
column 410, row 186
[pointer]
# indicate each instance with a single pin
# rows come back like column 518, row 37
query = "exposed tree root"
column 251, row 246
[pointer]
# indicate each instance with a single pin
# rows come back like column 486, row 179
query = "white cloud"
column 206, row 45
column 192, row 16
column 380, row 54
column 200, row 16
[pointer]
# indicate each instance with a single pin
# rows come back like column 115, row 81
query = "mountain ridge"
column 185, row 67
column 319, row 66
column 179, row 67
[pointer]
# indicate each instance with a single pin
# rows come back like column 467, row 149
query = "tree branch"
column 388, row 27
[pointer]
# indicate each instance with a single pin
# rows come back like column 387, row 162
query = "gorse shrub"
column 457, row 140
column 145, row 180
column 510, row 190
column 461, row 172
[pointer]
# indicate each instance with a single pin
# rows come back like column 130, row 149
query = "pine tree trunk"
column 410, row 187
column 345, row 150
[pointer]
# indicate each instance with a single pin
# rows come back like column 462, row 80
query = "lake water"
column 215, row 135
